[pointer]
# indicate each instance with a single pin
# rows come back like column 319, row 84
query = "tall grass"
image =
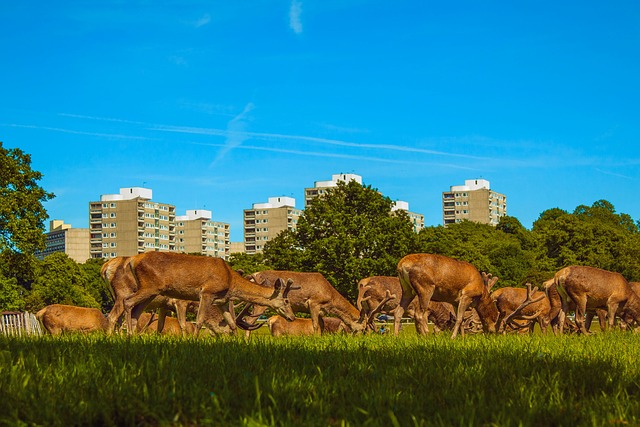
column 320, row 381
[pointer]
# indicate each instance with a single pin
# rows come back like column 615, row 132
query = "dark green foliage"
column 22, row 215
column 248, row 264
column 348, row 233
column 594, row 236
column 61, row 281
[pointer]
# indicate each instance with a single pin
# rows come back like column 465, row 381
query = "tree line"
column 349, row 233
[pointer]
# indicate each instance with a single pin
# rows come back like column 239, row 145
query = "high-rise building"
column 473, row 201
column 63, row 238
column 197, row 233
column 130, row 223
column 264, row 221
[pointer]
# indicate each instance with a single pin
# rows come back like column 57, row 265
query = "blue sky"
column 218, row 105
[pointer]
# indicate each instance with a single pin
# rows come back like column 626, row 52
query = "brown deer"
column 312, row 293
column 279, row 326
column 60, row 318
column 117, row 274
column 149, row 323
column 372, row 290
column 556, row 314
column 444, row 279
column 532, row 306
column 591, row 288
column 205, row 279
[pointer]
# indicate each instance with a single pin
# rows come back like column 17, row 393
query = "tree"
column 11, row 295
column 346, row 234
column 22, row 214
column 592, row 235
column 60, row 281
column 247, row 263
column 95, row 285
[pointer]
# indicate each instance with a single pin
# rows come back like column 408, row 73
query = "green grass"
column 320, row 381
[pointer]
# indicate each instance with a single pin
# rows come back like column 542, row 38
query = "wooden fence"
column 17, row 323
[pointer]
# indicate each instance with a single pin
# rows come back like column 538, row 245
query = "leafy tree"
column 248, row 263
column 11, row 295
column 346, row 234
column 60, row 281
column 592, row 235
column 22, row 214
column 94, row 284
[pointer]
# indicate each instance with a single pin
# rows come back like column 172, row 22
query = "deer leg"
column 422, row 315
column 115, row 314
column 134, row 305
column 181, row 313
column 315, row 313
column 463, row 304
column 581, row 308
column 400, row 309
column 162, row 315
column 612, row 307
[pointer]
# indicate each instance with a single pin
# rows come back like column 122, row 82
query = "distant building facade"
column 264, row 221
column 197, row 233
column 63, row 238
column 473, row 201
column 130, row 223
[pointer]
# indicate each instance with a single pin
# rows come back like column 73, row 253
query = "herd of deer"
column 452, row 294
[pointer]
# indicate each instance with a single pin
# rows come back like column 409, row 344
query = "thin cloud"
column 77, row 132
column 203, row 21
column 338, row 156
column 235, row 133
column 275, row 136
column 295, row 12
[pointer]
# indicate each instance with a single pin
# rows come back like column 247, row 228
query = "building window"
column 113, row 244
column 104, row 205
column 113, row 225
column 113, row 234
column 113, row 215
column 113, row 205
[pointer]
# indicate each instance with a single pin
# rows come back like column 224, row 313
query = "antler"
column 363, row 290
column 489, row 280
column 528, row 301
column 388, row 297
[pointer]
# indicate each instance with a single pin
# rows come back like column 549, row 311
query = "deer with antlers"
column 372, row 290
column 521, row 304
column 591, row 288
column 205, row 279
column 312, row 293
column 117, row 274
column 444, row 279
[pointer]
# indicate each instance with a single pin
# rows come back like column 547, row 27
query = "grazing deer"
column 149, row 323
column 556, row 314
column 205, row 279
column 117, row 274
column 444, row 279
column 521, row 304
column 312, row 293
column 279, row 326
column 372, row 290
column 591, row 288
column 60, row 318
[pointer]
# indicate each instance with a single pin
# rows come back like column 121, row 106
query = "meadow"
column 341, row 380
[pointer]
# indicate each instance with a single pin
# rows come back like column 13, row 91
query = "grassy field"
column 321, row 381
